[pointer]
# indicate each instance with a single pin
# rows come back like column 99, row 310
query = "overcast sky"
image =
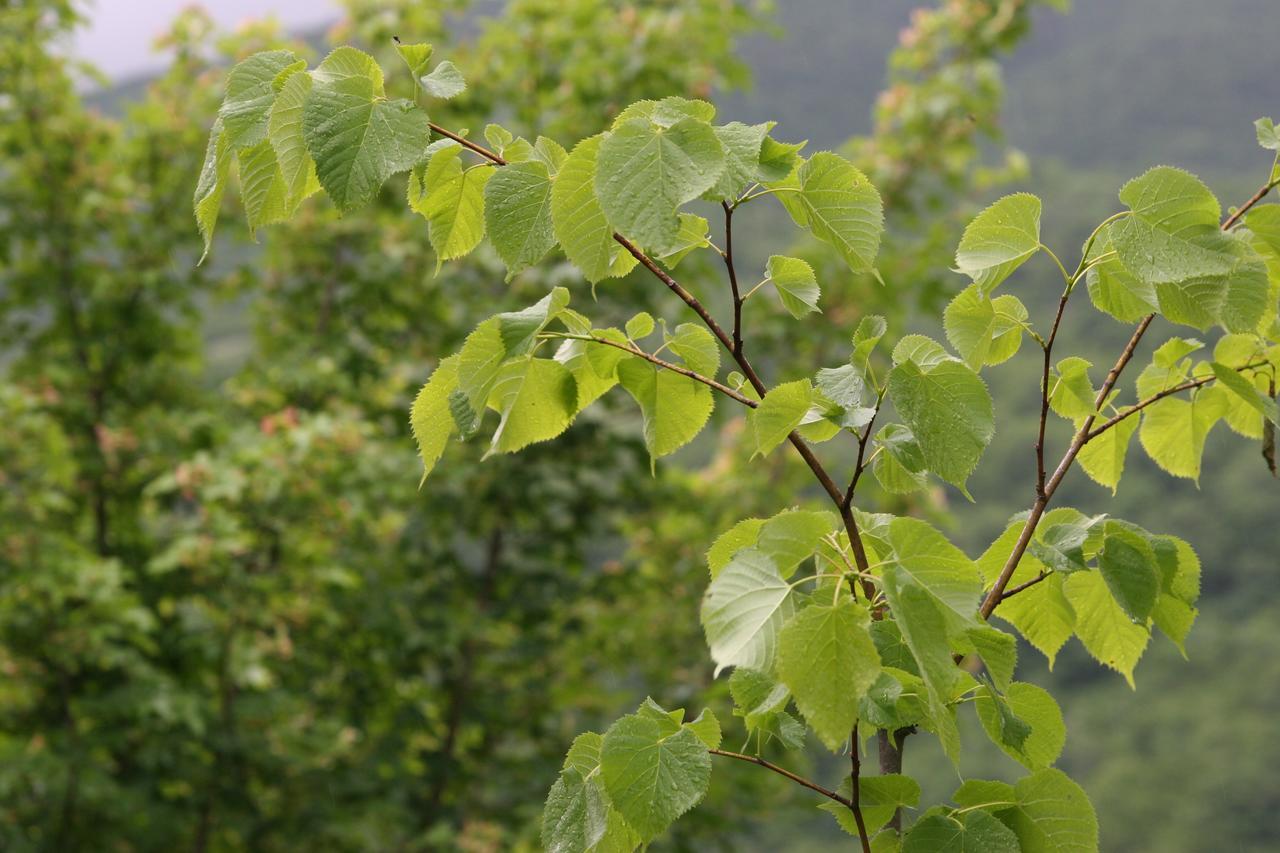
column 120, row 32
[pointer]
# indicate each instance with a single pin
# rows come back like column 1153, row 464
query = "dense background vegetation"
column 231, row 621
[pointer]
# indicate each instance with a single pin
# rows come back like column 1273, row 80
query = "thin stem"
column 782, row 771
column 1009, row 593
column 1155, row 398
column 1086, row 432
column 855, row 798
column 653, row 359
column 801, row 446
column 496, row 159
column 1244, row 208
column 727, row 254
column 1077, row 444
column 1065, row 275
column 1088, row 244
column 1044, row 388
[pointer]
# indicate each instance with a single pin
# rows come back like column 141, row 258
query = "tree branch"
column 782, row 771
column 665, row 365
column 1010, row 593
column 1077, row 444
column 1044, row 388
column 801, row 446
column 1086, row 432
column 727, row 254
column 855, row 793
column 1244, row 208
column 1155, row 398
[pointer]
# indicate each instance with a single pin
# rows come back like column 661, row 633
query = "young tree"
column 865, row 624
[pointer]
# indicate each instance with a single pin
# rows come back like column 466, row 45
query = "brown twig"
column 1044, row 390
column 1086, row 432
column 727, row 254
column 782, row 771
column 665, row 365
column 1077, row 444
column 855, row 792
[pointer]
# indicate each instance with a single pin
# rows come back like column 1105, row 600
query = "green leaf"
column 692, row 235
column 584, row 753
column 550, row 153
column 744, row 610
column 498, row 339
column 1268, row 136
column 757, row 696
column 742, row 535
column 984, row 794
column 1173, row 235
column 580, row 223
column 666, row 112
column 1174, row 431
column 645, row 172
column 707, row 728
column 1053, row 814
column 946, row 406
column 841, row 208
column 452, row 200
column 249, row 96
column 262, row 186
column 675, row 408
column 827, row 659
column 1071, row 394
column 696, row 348
column 1061, row 546
column 794, row 535
column 998, row 650
column 999, row 240
column 651, row 776
column 1246, row 391
column 1175, row 610
column 777, row 159
column 796, row 284
column 1041, row 613
column 869, row 332
column 284, row 129
column 357, row 137
column 984, row 330
column 444, row 81
column 430, row 419
column 741, row 143
column 879, row 798
column 778, row 414
column 1116, row 291
column 924, row 556
column 415, row 56
column 537, row 399
column 517, row 214
column 1103, row 457
column 900, row 467
column 640, row 326
column 207, row 201
column 594, row 366
column 1102, row 625
column 924, row 630
column 973, row 832
column 1236, row 299
column 576, row 814
column 1128, row 565
column 1035, row 707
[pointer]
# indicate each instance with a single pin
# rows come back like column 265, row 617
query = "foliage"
column 911, row 596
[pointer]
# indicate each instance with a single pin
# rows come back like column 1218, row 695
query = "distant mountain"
column 1115, row 84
